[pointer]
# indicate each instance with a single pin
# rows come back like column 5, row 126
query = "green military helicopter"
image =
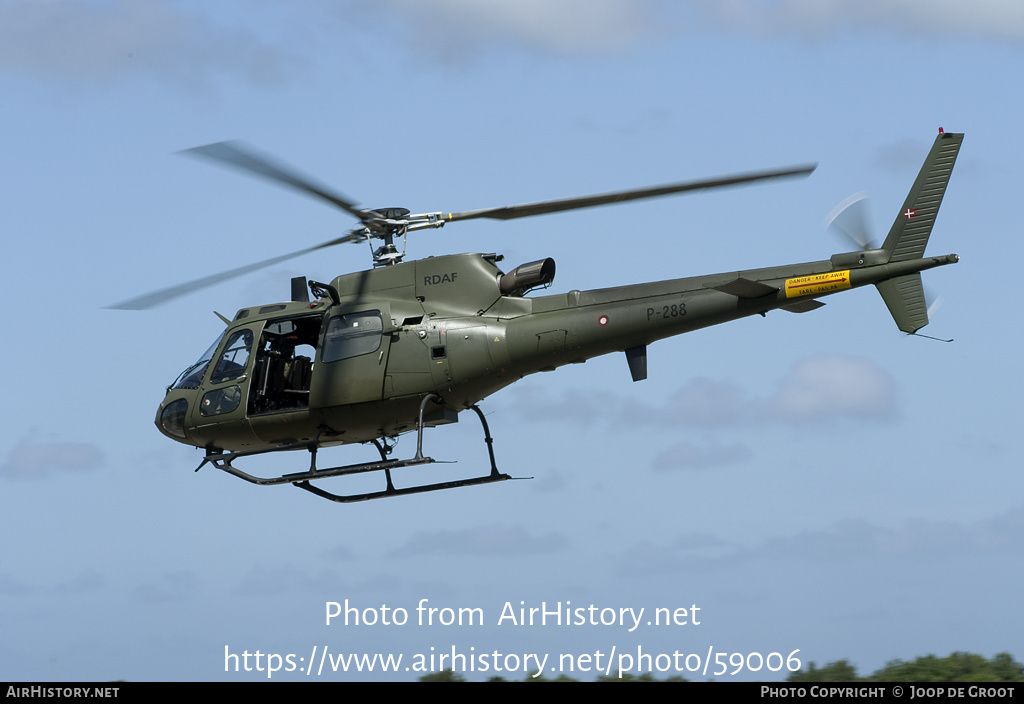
column 409, row 345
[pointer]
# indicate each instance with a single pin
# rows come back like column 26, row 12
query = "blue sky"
column 886, row 523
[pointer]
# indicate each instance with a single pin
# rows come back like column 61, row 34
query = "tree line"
column 955, row 667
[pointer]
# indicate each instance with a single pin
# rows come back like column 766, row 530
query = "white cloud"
column 851, row 539
column 834, row 386
column 29, row 460
column 690, row 455
column 817, row 389
column 709, row 403
column 567, row 25
column 485, row 540
column 76, row 40
column 288, row 579
column 179, row 586
column 12, row 586
column 1002, row 19
column 84, row 583
column 454, row 31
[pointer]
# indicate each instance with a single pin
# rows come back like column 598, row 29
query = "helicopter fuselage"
column 358, row 366
column 409, row 345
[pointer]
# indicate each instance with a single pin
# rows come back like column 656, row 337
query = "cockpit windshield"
column 192, row 377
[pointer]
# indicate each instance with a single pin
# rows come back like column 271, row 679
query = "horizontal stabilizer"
column 904, row 297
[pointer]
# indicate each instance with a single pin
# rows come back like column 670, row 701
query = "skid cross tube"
column 223, row 462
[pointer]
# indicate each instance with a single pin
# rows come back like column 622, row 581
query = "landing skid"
column 223, row 462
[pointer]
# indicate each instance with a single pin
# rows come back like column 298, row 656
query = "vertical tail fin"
column 913, row 226
column 904, row 295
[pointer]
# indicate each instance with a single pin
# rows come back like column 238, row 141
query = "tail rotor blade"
column 850, row 220
column 933, row 301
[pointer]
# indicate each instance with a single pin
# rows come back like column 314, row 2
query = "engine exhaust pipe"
column 526, row 277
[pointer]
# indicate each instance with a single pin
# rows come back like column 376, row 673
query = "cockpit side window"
column 234, row 358
column 352, row 335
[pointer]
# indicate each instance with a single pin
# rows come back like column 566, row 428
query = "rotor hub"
column 391, row 213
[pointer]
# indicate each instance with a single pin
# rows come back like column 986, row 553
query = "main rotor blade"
column 156, row 298
column 233, row 154
column 555, row 206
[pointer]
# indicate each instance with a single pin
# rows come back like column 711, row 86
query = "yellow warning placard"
column 818, row 283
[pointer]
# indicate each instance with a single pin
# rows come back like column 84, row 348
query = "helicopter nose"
column 170, row 418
